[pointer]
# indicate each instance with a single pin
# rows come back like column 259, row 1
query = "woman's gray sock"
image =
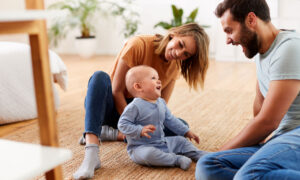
column 107, row 134
column 90, row 163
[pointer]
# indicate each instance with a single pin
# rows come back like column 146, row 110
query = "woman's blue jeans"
column 277, row 159
column 99, row 105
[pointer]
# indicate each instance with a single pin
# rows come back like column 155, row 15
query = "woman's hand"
column 191, row 136
column 148, row 129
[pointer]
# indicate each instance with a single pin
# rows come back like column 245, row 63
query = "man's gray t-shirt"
column 281, row 61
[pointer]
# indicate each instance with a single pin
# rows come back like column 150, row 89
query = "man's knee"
column 242, row 174
column 204, row 167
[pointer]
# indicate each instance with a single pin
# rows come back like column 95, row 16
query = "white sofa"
column 17, row 98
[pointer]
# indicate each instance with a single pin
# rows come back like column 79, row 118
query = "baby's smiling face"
column 150, row 85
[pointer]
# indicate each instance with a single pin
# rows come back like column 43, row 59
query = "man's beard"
column 249, row 41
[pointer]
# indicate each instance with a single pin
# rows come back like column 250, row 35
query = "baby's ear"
column 137, row 87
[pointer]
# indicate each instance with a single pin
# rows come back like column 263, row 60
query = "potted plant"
column 80, row 14
column 177, row 18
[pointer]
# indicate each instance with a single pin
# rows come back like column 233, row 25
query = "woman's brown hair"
column 194, row 68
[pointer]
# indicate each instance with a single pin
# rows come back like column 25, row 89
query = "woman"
column 183, row 50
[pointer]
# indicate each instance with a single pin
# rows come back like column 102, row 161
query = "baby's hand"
column 191, row 136
column 146, row 129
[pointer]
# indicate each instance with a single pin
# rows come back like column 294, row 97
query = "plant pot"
column 85, row 46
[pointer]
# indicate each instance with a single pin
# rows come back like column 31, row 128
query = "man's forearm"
column 258, row 101
column 255, row 132
column 256, row 107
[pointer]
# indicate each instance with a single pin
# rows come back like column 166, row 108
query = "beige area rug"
column 216, row 114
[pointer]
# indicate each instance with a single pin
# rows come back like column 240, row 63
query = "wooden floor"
column 216, row 114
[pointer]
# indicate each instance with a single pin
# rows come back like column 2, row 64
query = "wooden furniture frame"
column 36, row 29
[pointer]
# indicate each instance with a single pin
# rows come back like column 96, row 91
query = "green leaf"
column 193, row 14
column 177, row 14
column 164, row 25
column 80, row 15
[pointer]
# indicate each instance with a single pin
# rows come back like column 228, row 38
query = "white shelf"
column 28, row 15
column 26, row 161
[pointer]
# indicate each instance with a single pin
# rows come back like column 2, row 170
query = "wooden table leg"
column 43, row 86
column 44, row 94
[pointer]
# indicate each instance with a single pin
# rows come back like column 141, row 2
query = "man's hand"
column 146, row 129
column 191, row 136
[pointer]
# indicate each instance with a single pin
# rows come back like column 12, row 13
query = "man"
column 276, row 107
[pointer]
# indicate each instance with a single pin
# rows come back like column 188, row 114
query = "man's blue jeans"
column 100, row 107
column 277, row 159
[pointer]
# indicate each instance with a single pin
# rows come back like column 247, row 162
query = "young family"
column 131, row 102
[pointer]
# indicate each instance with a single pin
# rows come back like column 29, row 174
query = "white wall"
column 289, row 16
column 109, row 36
column 110, row 40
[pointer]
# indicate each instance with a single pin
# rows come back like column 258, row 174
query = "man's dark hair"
column 240, row 9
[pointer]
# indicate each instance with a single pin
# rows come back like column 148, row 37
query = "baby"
column 143, row 121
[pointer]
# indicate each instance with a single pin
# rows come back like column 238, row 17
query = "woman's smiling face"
column 180, row 48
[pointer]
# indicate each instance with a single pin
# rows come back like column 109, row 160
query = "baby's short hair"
column 135, row 75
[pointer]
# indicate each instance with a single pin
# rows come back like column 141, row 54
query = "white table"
column 32, row 22
column 26, row 161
